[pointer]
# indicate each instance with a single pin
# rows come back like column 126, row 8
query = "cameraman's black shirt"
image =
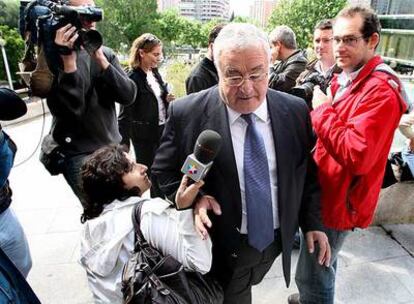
column 83, row 104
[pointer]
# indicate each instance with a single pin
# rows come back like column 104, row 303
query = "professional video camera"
column 305, row 88
column 39, row 21
column 49, row 16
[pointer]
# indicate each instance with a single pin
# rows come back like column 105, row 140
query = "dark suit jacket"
column 202, row 77
column 298, row 190
column 283, row 74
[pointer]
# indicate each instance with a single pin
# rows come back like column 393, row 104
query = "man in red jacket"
column 355, row 125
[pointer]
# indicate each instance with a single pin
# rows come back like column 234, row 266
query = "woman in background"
column 143, row 121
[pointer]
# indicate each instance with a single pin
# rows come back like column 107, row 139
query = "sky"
column 241, row 7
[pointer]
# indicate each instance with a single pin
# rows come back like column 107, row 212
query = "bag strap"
column 136, row 221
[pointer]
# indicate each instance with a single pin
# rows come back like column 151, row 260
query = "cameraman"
column 82, row 101
column 321, row 70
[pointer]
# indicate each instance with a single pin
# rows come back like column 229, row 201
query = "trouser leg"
column 316, row 283
column 72, row 174
column 13, row 241
column 250, row 269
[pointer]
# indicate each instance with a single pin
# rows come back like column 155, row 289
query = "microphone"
column 11, row 105
column 206, row 148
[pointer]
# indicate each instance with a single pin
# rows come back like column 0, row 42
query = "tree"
column 170, row 25
column 302, row 16
column 14, row 50
column 9, row 13
column 243, row 19
column 125, row 20
column 191, row 33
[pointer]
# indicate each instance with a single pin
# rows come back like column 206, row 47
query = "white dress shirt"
column 238, row 128
column 108, row 240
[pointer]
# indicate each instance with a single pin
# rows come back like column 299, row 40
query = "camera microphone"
column 206, row 148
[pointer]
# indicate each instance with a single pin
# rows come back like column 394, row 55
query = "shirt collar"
column 345, row 79
column 318, row 67
column 261, row 113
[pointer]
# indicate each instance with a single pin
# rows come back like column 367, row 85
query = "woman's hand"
column 411, row 144
column 170, row 97
column 187, row 193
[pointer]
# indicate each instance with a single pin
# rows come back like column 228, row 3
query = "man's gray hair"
column 284, row 35
column 239, row 36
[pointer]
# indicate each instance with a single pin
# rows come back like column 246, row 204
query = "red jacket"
column 354, row 138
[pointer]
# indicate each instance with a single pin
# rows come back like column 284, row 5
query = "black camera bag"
column 51, row 155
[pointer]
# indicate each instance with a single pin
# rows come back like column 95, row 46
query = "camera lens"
column 91, row 40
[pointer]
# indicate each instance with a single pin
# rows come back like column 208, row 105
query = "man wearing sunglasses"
column 263, row 181
column 355, row 125
column 83, row 100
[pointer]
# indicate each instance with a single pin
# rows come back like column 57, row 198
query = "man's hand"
column 319, row 237
column 407, row 120
column 320, row 97
column 66, row 36
column 186, row 194
column 100, row 58
column 201, row 219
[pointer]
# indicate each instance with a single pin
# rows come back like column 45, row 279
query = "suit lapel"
column 225, row 163
column 282, row 139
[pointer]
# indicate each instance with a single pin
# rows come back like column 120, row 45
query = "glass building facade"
column 397, row 35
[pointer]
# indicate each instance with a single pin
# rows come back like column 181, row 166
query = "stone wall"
column 396, row 205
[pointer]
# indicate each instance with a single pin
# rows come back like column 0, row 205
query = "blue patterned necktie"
column 257, row 188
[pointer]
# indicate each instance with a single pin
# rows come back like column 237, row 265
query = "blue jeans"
column 13, row 241
column 72, row 174
column 316, row 283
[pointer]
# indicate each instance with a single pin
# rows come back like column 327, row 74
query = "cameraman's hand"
column 319, row 97
column 66, row 36
column 100, row 58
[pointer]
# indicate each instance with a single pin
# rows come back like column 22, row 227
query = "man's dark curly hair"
column 102, row 179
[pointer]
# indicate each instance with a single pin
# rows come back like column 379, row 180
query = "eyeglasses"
column 347, row 40
column 236, row 81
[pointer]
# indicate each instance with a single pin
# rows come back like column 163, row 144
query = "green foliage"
column 177, row 30
column 191, row 33
column 242, row 19
column 14, row 50
column 125, row 20
column 9, row 13
column 176, row 74
column 206, row 29
column 170, row 25
column 302, row 16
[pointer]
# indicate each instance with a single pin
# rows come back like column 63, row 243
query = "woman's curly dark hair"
column 102, row 179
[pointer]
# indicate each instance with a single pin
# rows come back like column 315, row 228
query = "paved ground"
column 376, row 265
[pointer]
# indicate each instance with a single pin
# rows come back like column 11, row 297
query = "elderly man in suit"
column 263, row 181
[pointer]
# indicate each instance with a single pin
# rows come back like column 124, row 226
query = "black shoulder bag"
column 51, row 155
column 149, row 277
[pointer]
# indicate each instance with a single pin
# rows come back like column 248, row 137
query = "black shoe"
column 294, row 299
